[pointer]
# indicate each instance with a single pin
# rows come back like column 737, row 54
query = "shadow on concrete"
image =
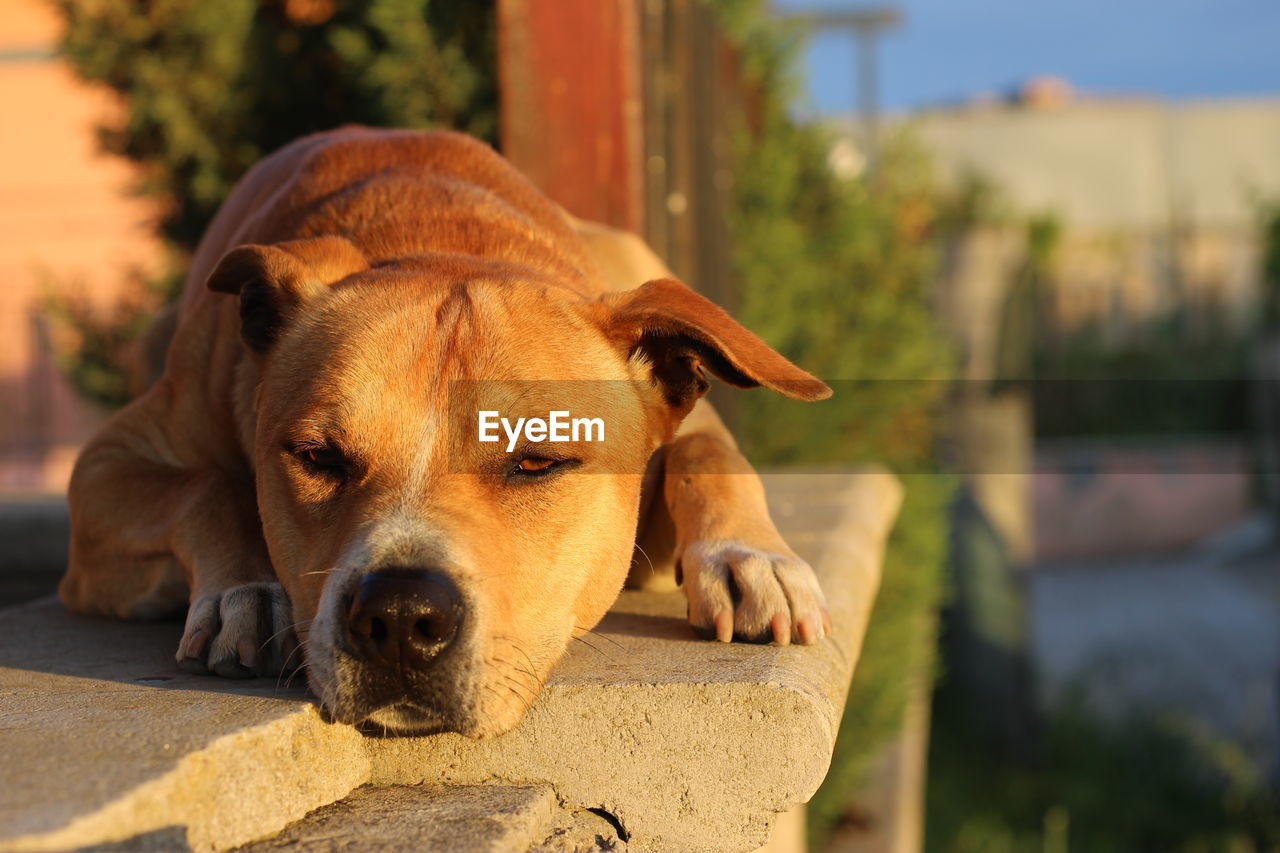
column 43, row 636
column 625, row 621
column 170, row 839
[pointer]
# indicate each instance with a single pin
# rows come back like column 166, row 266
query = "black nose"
column 403, row 618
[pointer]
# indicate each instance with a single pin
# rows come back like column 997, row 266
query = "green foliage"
column 973, row 201
column 1159, row 384
column 1147, row 783
column 1183, row 372
column 1020, row 317
column 99, row 356
column 1270, row 227
column 836, row 274
column 897, row 652
column 210, row 88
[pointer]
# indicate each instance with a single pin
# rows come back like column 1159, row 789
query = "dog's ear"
column 274, row 280
column 683, row 335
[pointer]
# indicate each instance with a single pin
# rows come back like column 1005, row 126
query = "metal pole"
column 867, row 26
column 868, row 94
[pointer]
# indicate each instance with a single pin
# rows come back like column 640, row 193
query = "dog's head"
column 436, row 577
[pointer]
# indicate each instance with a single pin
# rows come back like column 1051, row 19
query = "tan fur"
column 381, row 275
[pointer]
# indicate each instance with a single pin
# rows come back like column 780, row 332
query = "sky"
column 949, row 50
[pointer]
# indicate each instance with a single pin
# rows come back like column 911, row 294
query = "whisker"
column 512, row 686
column 505, row 697
column 510, row 641
column 497, row 659
column 588, row 645
column 284, row 666
column 301, row 648
column 521, row 670
column 528, row 660
column 278, row 633
column 645, row 554
column 604, row 637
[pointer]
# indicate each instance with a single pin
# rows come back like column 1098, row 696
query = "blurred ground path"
column 1195, row 632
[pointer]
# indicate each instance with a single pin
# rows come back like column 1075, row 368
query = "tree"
column 210, row 88
column 213, row 87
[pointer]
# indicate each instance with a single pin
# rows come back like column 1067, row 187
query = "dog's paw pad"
column 241, row 632
column 736, row 591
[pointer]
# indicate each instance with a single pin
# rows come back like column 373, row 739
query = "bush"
column 836, row 273
column 1142, row 783
column 98, row 352
column 212, row 87
column 1158, row 385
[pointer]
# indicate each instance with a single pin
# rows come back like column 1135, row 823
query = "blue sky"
column 951, row 49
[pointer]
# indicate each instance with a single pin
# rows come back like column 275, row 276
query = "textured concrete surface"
column 422, row 819
column 446, row 819
column 104, row 738
column 683, row 744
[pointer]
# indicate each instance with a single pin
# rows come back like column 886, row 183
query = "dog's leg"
column 738, row 574
column 726, row 545
column 149, row 536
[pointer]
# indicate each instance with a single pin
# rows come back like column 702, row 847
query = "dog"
column 304, row 476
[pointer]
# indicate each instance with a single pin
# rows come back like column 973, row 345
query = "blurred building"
column 65, row 218
column 1157, row 200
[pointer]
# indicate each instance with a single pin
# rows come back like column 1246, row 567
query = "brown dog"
column 309, row 460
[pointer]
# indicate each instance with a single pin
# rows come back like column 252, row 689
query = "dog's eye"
column 535, row 467
column 536, row 464
column 530, row 468
column 322, row 459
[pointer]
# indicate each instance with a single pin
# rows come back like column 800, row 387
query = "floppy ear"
column 274, row 280
column 683, row 335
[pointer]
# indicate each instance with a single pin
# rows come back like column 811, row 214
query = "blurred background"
column 1035, row 247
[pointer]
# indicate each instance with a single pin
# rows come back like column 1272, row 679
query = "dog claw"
column 810, row 630
column 724, row 626
column 231, row 669
column 195, row 666
column 196, row 646
column 247, row 650
column 781, row 625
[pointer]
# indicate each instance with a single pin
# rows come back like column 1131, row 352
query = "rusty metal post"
column 621, row 111
column 572, row 103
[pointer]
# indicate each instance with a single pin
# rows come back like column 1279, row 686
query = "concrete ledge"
column 34, row 532
column 687, row 745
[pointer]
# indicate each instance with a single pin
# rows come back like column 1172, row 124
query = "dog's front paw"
column 738, row 591
column 241, row 632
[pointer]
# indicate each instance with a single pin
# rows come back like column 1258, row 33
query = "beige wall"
column 1158, row 203
column 1118, row 164
column 64, row 217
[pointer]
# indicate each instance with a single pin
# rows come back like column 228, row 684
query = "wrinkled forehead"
column 378, row 346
